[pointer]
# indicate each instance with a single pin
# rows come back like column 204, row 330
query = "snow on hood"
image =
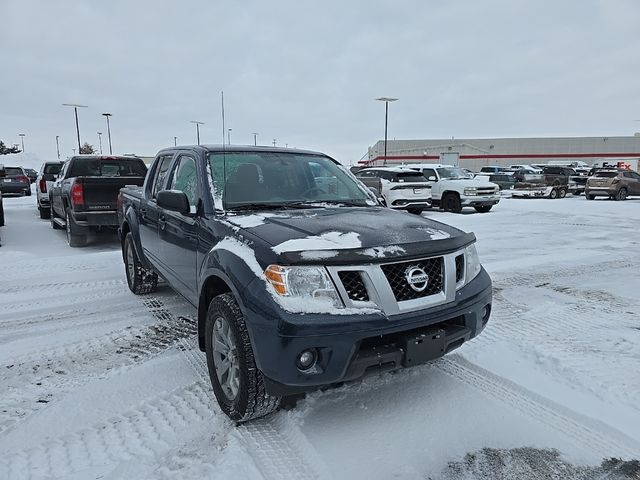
column 290, row 304
column 325, row 241
column 382, row 252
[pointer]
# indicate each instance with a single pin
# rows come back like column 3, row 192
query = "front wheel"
column 45, row 213
column 483, row 208
column 139, row 279
column 451, row 203
column 590, row 197
column 237, row 383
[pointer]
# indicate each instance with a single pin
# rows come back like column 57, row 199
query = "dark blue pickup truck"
column 301, row 279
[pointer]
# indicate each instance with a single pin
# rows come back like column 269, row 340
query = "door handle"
column 143, row 213
column 162, row 221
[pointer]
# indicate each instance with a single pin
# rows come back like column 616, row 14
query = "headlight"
column 470, row 191
column 472, row 261
column 303, row 283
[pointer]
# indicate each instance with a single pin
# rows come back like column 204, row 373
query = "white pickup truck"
column 452, row 189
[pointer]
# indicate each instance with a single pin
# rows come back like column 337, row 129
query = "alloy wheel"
column 225, row 358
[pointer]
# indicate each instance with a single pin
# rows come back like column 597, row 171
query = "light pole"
column 229, row 136
column 75, row 108
column 386, row 101
column 274, row 142
column 198, row 129
column 74, row 150
column 58, row 146
column 100, row 139
column 175, row 141
column 107, row 115
column 255, row 139
column 21, row 135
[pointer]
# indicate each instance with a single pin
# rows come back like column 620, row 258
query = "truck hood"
column 339, row 234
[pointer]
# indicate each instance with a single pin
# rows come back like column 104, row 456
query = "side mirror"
column 432, row 179
column 174, row 200
column 375, row 191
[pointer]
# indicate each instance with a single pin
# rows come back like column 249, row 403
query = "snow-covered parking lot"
column 98, row 383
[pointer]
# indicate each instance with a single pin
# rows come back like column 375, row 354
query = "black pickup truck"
column 83, row 197
column 300, row 278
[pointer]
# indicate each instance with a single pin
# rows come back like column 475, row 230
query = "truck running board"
column 60, row 222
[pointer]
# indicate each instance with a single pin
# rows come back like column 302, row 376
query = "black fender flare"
column 130, row 224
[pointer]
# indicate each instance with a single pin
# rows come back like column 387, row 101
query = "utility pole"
column 22, row 135
column 386, row 101
column 197, row 129
column 274, row 142
column 58, row 146
column 175, row 141
column 75, row 108
column 100, row 139
column 229, row 136
column 255, row 139
column 107, row 115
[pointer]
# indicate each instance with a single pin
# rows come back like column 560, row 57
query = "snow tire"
column 252, row 400
column 139, row 279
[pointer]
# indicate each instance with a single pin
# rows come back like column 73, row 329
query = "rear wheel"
column 44, row 212
column 415, row 211
column 553, row 194
column 483, row 208
column 139, row 279
column 27, row 192
column 74, row 237
column 237, row 382
column 621, row 195
column 562, row 192
column 451, row 203
column 590, row 197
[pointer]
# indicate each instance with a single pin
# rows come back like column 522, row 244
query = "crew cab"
column 401, row 188
column 452, row 189
column 297, row 283
column 83, row 197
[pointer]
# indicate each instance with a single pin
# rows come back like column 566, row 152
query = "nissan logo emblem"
column 417, row 278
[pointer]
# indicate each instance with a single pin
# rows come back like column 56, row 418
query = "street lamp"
column 274, row 142
column 75, row 108
column 58, row 146
column 107, row 115
column 386, row 101
column 229, row 136
column 100, row 139
column 22, row 135
column 175, row 141
column 255, row 139
column 198, row 129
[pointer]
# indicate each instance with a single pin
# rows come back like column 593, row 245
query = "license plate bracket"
column 424, row 347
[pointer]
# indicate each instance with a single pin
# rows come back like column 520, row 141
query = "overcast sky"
column 307, row 73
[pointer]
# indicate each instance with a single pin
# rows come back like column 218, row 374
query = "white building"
column 474, row 153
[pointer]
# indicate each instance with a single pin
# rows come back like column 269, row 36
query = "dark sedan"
column 15, row 181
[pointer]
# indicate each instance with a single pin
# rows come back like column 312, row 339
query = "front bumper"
column 479, row 200
column 350, row 346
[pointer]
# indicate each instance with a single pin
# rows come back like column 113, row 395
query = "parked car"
column 615, row 184
column 525, row 168
column 15, row 181
column 504, row 180
column 84, row 196
column 296, row 287
column 493, row 169
column 401, row 188
column 48, row 173
column 31, row 173
column 452, row 189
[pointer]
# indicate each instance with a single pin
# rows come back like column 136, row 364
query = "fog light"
column 486, row 311
column 306, row 359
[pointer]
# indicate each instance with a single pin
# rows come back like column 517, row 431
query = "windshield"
column 452, row 173
column 253, row 179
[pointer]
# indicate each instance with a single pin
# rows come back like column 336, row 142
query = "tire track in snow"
column 140, row 434
column 276, row 444
column 35, row 383
column 41, row 287
column 591, row 434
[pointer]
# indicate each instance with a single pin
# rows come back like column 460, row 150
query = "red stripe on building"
column 395, row 158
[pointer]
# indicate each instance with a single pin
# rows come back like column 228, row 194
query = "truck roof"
column 241, row 148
